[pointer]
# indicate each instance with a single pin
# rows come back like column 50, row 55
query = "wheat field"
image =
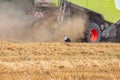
column 59, row 61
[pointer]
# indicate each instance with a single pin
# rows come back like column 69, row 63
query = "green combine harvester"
column 104, row 16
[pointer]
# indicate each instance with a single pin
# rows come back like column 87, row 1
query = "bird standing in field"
column 66, row 39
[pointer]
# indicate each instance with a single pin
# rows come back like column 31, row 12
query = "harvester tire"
column 93, row 33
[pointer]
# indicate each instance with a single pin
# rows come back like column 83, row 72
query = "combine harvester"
column 104, row 16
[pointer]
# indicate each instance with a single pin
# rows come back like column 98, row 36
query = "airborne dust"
column 15, row 24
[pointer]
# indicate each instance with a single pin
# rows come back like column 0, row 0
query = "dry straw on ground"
column 59, row 61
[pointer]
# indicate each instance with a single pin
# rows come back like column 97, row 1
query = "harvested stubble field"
column 59, row 61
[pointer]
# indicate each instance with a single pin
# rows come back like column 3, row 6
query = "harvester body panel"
column 107, row 8
column 110, row 9
column 46, row 3
column 82, row 3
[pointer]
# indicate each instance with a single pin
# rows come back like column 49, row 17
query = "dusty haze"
column 15, row 24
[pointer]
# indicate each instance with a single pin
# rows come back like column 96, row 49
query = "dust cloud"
column 16, row 25
column 50, row 30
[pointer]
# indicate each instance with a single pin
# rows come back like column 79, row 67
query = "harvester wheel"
column 118, row 33
column 93, row 33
